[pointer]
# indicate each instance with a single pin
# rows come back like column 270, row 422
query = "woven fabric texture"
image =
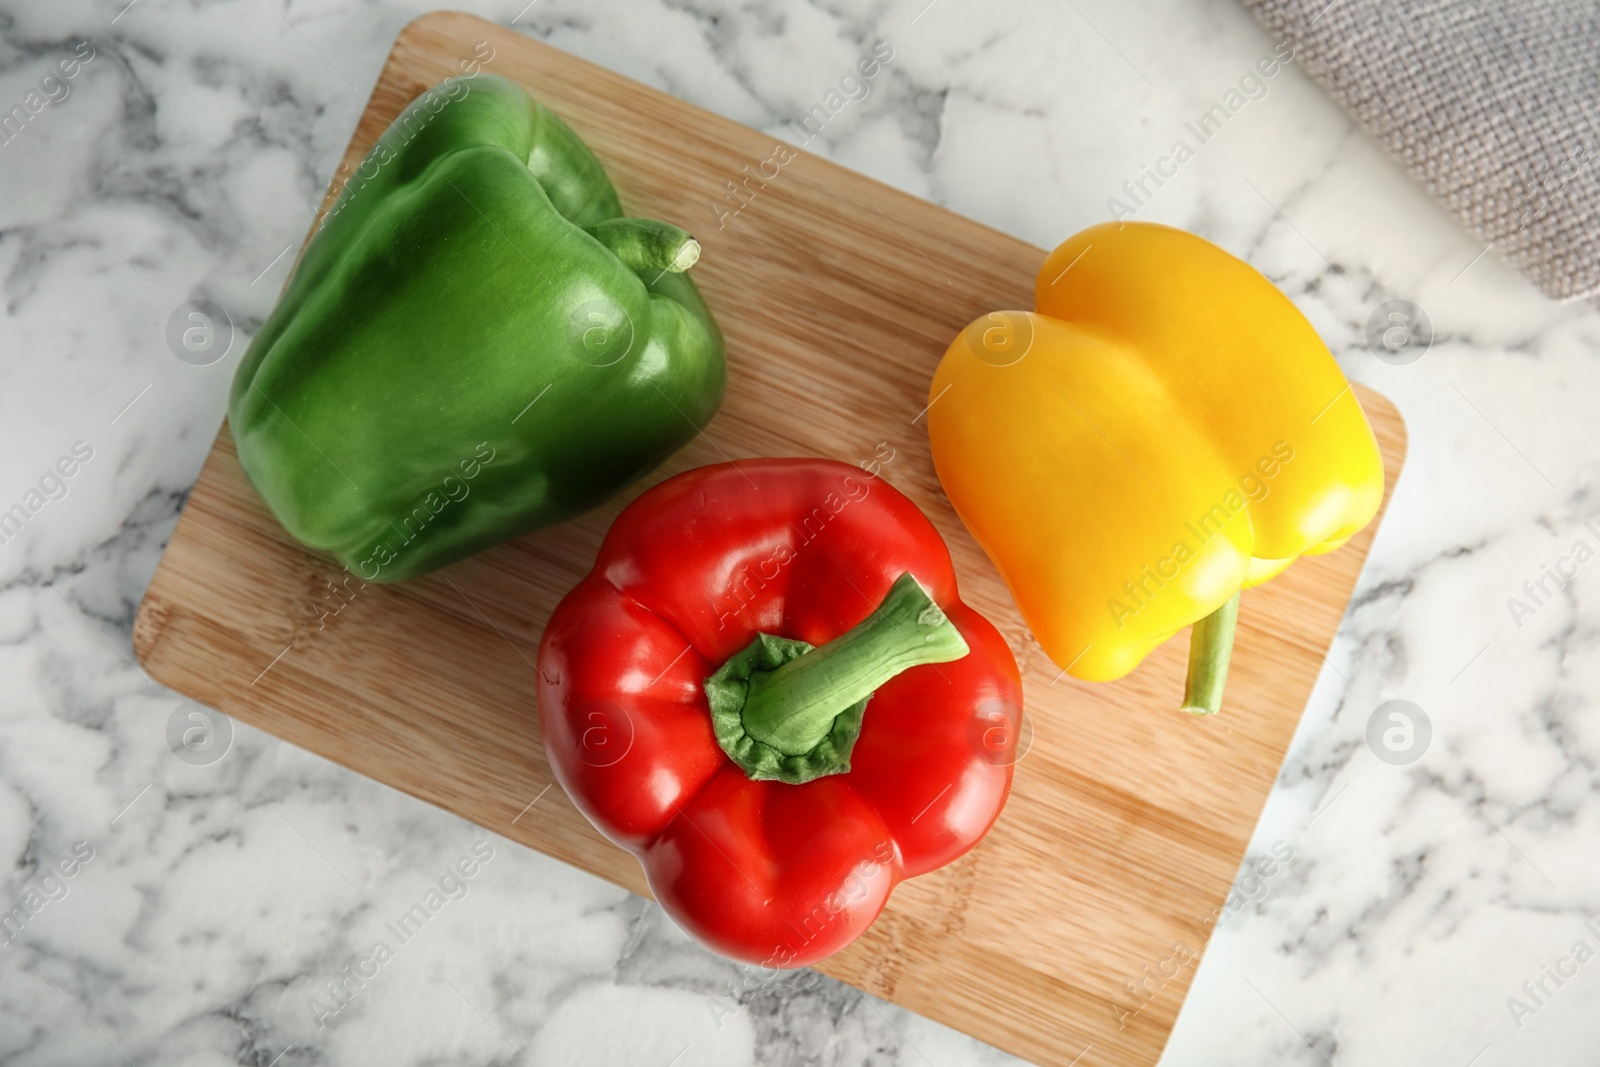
column 1491, row 104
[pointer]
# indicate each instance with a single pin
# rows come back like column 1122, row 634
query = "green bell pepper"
column 475, row 343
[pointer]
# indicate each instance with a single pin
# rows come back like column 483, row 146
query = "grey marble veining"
column 1429, row 913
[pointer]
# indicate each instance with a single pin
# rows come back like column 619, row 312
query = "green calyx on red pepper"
column 769, row 691
column 788, row 711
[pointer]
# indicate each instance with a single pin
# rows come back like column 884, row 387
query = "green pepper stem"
column 1210, row 648
column 792, row 708
column 648, row 245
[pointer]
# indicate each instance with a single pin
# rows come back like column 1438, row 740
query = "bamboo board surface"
column 837, row 294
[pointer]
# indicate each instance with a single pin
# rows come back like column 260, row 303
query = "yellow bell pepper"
column 1163, row 431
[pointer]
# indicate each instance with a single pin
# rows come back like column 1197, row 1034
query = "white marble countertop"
column 207, row 905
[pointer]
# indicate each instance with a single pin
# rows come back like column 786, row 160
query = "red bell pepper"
column 768, row 690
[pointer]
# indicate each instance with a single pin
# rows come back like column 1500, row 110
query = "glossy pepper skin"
column 761, row 869
column 475, row 343
column 1165, row 429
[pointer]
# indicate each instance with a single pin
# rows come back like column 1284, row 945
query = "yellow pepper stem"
column 1210, row 648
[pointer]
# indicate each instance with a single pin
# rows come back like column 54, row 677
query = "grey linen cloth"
column 1491, row 105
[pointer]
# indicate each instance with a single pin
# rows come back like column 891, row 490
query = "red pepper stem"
column 793, row 707
column 1210, row 648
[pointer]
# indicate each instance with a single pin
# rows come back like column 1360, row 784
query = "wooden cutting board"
column 838, row 294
